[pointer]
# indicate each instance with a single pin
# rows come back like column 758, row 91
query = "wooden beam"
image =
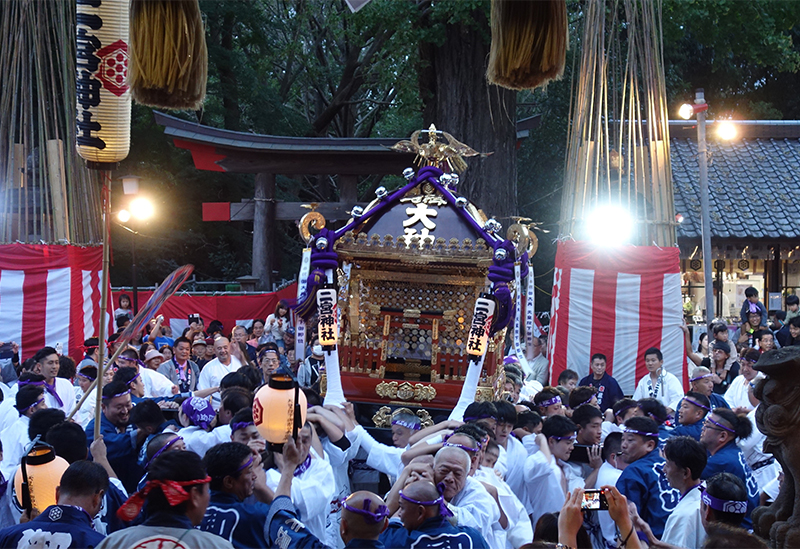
column 389, row 162
column 263, row 216
column 292, row 211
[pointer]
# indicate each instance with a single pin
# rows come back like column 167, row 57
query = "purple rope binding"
column 501, row 273
column 369, row 516
column 321, row 260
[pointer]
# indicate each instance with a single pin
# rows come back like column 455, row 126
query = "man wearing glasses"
column 720, row 431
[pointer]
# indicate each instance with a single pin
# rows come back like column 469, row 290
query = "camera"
column 594, row 500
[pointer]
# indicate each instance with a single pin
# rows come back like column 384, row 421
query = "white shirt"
column 545, row 490
column 66, row 392
column 669, row 390
column 14, row 440
column 85, row 413
column 607, row 476
column 608, row 427
column 380, row 457
column 155, row 383
column 752, row 448
column 736, row 395
column 684, row 527
column 312, row 492
column 519, row 530
column 212, row 374
column 476, row 507
column 339, row 460
column 8, row 413
column 199, row 440
column 514, row 460
column 214, row 371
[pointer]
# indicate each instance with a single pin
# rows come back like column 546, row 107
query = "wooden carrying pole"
column 103, row 300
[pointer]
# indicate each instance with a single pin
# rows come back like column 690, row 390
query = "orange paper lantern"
column 43, row 469
column 279, row 410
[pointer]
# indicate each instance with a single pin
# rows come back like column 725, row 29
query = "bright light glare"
column 141, row 208
column 609, row 225
column 124, row 216
column 726, row 131
column 686, row 111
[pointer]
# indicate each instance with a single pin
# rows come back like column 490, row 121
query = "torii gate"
column 219, row 150
column 266, row 156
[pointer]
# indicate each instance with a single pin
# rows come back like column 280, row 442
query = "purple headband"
column 511, row 359
column 35, row 383
column 701, row 377
column 443, row 509
column 640, row 433
column 134, row 378
column 31, row 406
column 246, row 465
column 478, row 442
column 624, row 409
column 372, row 517
column 117, row 395
column 554, row 400
column 407, row 424
column 199, row 411
column 477, row 418
column 241, row 425
column 90, row 378
column 163, row 449
column 690, row 401
column 584, row 402
column 739, row 507
column 721, row 426
column 571, row 437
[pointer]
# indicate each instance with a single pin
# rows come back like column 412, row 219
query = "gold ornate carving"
column 383, row 417
column 405, row 391
column 484, row 394
column 323, row 384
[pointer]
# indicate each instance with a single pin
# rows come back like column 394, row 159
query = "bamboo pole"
column 106, row 177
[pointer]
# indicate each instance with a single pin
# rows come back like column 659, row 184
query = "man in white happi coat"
column 58, row 392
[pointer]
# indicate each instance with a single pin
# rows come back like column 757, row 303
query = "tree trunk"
column 458, row 100
column 227, row 75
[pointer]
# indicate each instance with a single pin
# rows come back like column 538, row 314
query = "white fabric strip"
column 626, row 341
column 11, row 303
column 672, row 339
column 581, row 302
column 56, row 322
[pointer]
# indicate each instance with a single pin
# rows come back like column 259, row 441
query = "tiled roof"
column 754, row 181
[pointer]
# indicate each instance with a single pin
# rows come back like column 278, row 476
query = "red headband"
column 172, row 489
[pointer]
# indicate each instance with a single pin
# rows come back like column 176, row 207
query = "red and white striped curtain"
column 49, row 295
column 619, row 302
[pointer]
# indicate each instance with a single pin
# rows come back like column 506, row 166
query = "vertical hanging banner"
column 518, row 350
column 104, row 99
column 299, row 323
column 328, row 311
column 619, row 302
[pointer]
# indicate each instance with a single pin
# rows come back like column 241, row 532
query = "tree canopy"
column 312, row 68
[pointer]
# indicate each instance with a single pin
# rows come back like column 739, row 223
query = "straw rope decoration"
column 618, row 147
column 168, row 55
column 529, row 43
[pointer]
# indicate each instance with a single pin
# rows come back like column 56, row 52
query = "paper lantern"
column 104, row 100
column 43, row 469
column 328, row 316
column 481, row 324
column 279, row 410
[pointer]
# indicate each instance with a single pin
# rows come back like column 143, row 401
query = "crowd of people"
column 570, row 461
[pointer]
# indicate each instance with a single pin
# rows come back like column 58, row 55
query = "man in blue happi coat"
column 721, row 430
column 68, row 524
column 424, row 522
column 691, row 413
column 643, row 481
column 122, row 439
column 234, row 474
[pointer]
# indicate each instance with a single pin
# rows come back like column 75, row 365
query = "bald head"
column 363, row 525
column 418, row 503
